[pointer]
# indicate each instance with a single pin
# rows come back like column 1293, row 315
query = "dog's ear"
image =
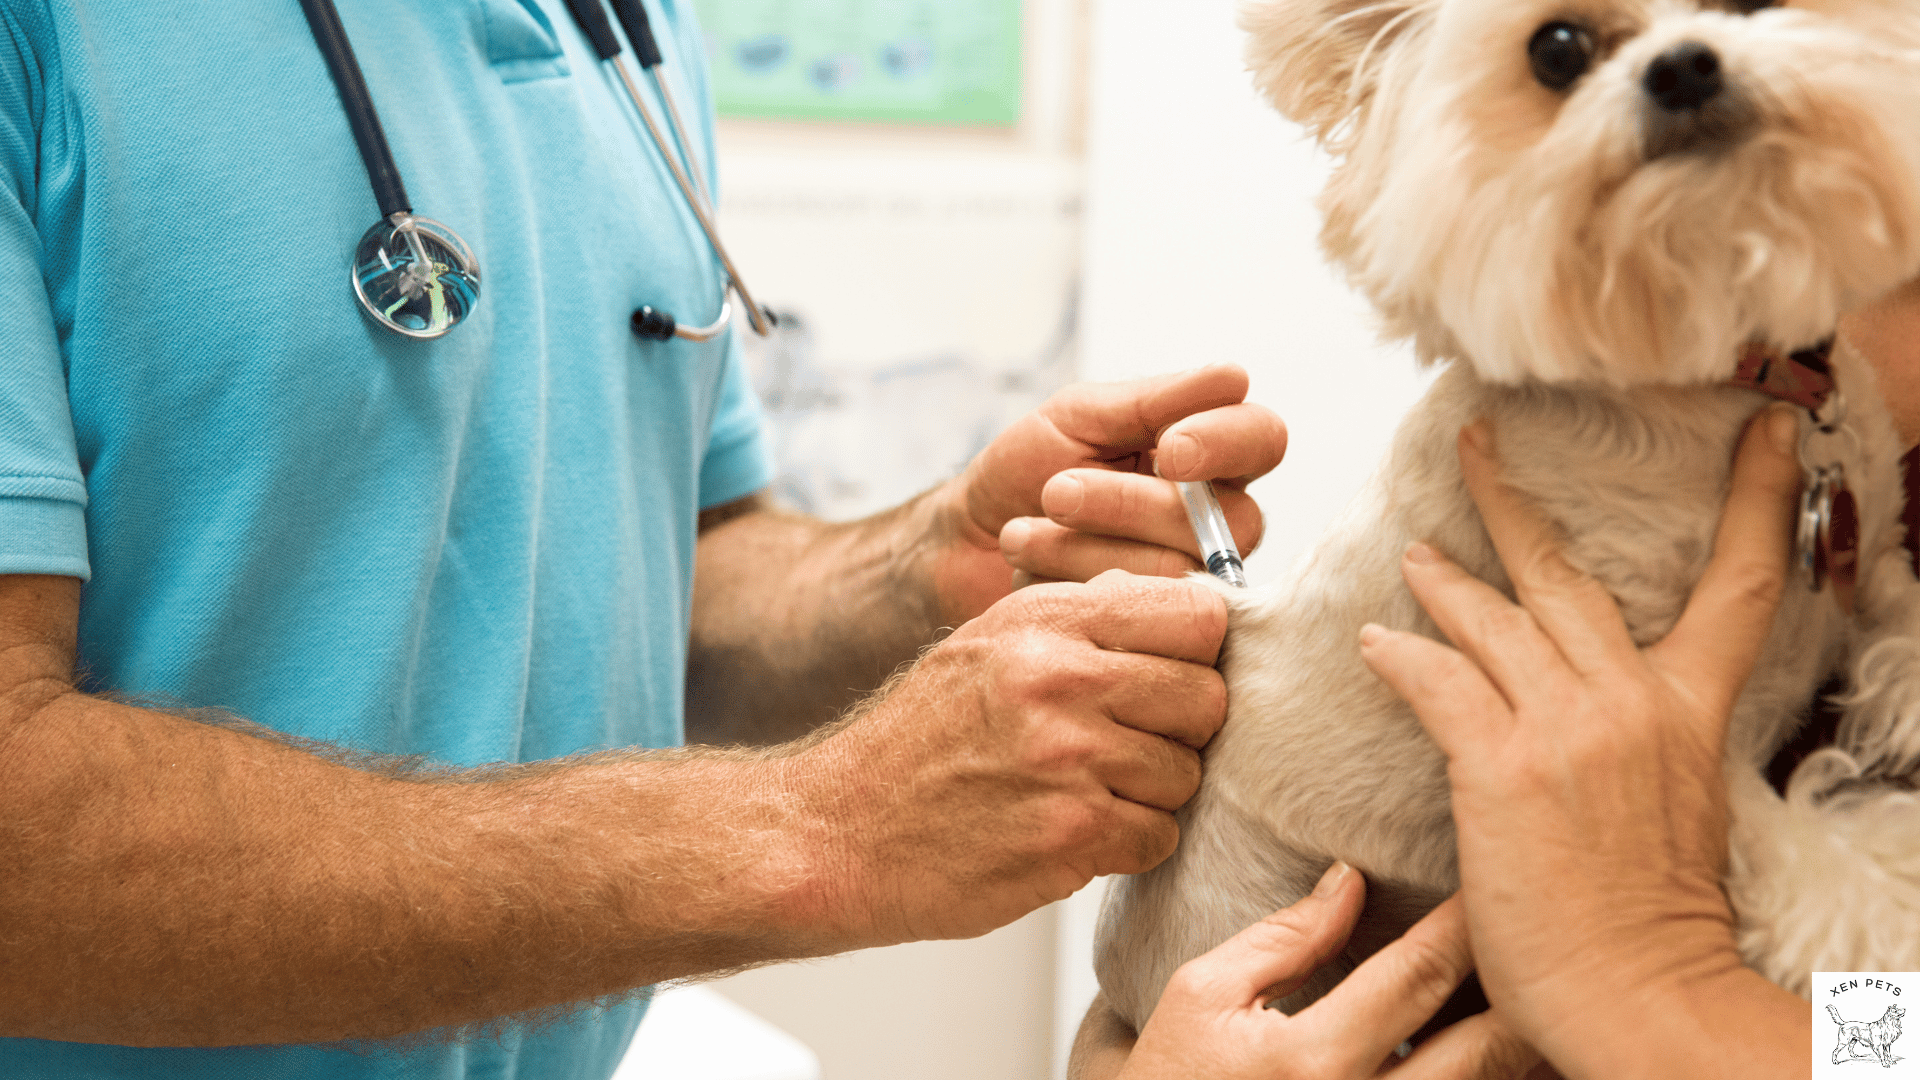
column 1316, row 60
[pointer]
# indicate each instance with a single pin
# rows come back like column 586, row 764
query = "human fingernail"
column 1014, row 536
column 1178, row 453
column 1479, row 436
column 1064, row 496
column 1418, row 552
column 1330, row 881
column 1783, row 426
column 1371, row 633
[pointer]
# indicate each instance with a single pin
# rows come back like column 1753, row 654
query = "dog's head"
column 1615, row 190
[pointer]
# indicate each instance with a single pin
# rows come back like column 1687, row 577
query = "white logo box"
column 1863, row 1024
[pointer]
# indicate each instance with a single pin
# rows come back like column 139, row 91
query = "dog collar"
column 1804, row 377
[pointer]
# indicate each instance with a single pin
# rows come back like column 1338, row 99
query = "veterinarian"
column 233, row 476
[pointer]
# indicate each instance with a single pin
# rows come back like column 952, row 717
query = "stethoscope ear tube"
column 388, row 190
column 633, row 19
column 593, row 23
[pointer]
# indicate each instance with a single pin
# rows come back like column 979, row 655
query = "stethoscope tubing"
column 592, row 18
column 460, row 270
column 328, row 33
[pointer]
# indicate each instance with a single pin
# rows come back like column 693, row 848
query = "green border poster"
column 906, row 61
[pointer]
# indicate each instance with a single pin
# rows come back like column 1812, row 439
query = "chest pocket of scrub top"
column 521, row 44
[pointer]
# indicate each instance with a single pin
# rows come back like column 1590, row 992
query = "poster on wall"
column 900, row 61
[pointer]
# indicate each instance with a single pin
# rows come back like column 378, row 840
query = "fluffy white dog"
column 1588, row 210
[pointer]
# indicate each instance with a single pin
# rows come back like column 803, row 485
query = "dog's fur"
column 1859, row 1039
column 1588, row 268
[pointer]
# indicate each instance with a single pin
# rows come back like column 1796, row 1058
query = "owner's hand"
column 1068, row 491
column 1212, row 1021
column 1045, row 743
column 1586, row 772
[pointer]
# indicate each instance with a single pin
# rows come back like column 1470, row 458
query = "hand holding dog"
column 1212, row 1021
column 1069, row 490
column 1045, row 743
column 1587, row 788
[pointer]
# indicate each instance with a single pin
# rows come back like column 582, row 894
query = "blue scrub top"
column 478, row 548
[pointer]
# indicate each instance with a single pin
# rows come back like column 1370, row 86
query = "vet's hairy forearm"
column 794, row 619
column 169, row 882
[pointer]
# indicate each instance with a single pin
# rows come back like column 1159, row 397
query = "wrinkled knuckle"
column 1060, row 749
column 1185, row 773
column 1169, row 563
column 1550, row 569
column 1756, row 583
column 1210, row 702
column 1429, row 968
column 1073, row 825
column 1153, row 843
column 1502, row 623
column 1207, row 612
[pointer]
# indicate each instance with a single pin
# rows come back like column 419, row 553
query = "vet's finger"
column 1129, row 416
column 1481, row 1047
column 1177, row 619
column 1138, row 517
column 1109, row 426
column 1389, row 996
column 1713, row 648
column 1456, row 704
column 1146, row 769
column 1271, row 958
column 1576, row 611
column 1235, row 443
column 1175, row 699
column 1132, row 839
column 1503, row 639
column 1142, row 508
column 1048, row 550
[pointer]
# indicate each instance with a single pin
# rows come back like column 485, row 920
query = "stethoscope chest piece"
column 415, row 276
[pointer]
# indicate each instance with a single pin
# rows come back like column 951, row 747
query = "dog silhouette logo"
column 1868, row 1010
column 1863, row 1041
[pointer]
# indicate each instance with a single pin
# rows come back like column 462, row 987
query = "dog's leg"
column 1227, row 874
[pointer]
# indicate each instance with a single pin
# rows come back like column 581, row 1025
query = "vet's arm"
column 1212, row 1019
column 1587, row 786
column 794, row 618
column 173, row 882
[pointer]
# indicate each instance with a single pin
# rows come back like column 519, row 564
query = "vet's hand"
column 1212, row 1022
column 1045, row 743
column 1586, row 772
column 1069, row 491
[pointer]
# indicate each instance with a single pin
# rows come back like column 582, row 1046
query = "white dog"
column 1588, row 210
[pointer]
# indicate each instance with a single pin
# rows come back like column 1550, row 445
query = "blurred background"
column 959, row 206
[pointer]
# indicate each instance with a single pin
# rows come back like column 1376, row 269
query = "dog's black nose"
column 1684, row 77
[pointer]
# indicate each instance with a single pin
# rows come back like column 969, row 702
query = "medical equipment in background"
column 415, row 276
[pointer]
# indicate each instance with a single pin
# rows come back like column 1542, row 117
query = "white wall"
column 938, row 273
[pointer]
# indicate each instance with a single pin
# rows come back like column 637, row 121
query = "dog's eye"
column 1561, row 53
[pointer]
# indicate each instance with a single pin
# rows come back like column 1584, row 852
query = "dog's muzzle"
column 1690, row 107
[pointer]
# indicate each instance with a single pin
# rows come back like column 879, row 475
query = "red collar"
column 1804, row 377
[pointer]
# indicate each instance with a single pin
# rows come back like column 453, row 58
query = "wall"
column 935, row 273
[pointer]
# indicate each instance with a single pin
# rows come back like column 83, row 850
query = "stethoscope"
column 415, row 276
